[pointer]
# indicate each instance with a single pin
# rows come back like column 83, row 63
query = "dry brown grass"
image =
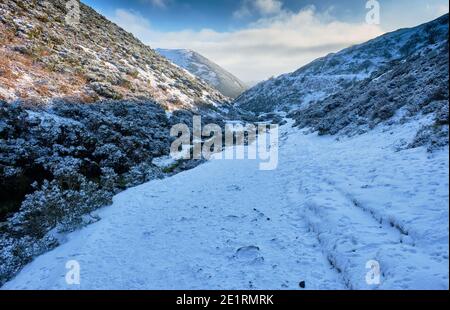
column 7, row 76
column 6, row 36
column 41, row 83
column 42, row 90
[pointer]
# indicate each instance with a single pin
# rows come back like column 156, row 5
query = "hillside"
column 337, row 72
column 415, row 87
column 42, row 58
column 205, row 69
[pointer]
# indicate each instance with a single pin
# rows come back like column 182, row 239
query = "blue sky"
column 173, row 15
column 256, row 39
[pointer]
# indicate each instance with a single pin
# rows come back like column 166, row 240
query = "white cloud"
column 132, row 22
column 260, row 7
column 437, row 9
column 268, row 6
column 274, row 45
column 162, row 4
column 409, row 13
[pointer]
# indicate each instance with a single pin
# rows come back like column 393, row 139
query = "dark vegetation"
column 59, row 164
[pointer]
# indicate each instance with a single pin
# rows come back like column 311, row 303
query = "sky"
column 258, row 39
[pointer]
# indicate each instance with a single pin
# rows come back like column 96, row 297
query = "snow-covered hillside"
column 417, row 86
column 205, row 69
column 337, row 72
column 330, row 207
column 42, row 58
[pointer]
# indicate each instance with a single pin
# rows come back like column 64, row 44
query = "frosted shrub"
column 18, row 251
column 60, row 203
column 59, row 164
column 142, row 173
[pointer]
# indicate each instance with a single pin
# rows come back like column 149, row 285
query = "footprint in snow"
column 250, row 254
column 234, row 188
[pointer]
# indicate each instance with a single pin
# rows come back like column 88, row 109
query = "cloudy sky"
column 257, row 39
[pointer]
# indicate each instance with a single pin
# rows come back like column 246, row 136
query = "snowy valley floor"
column 329, row 208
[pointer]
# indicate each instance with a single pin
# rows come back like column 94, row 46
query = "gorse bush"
column 59, row 204
column 16, row 252
column 59, row 164
column 83, row 139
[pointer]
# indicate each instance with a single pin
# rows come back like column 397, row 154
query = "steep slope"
column 416, row 86
column 203, row 68
column 335, row 72
column 44, row 57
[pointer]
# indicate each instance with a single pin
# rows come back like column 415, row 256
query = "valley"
column 319, row 218
column 345, row 189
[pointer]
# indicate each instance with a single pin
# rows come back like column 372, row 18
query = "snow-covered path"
column 328, row 209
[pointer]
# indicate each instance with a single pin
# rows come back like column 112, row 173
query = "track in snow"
column 227, row 225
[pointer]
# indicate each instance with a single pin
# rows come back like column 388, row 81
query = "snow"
column 53, row 119
column 366, row 202
column 336, row 72
column 186, row 59
column 180, row 57
column 205, row 70
column 330, row 207
column 164, row 161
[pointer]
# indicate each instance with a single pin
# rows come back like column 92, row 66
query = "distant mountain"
column 203, row 68
column 42, row 58
column 337, row 72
